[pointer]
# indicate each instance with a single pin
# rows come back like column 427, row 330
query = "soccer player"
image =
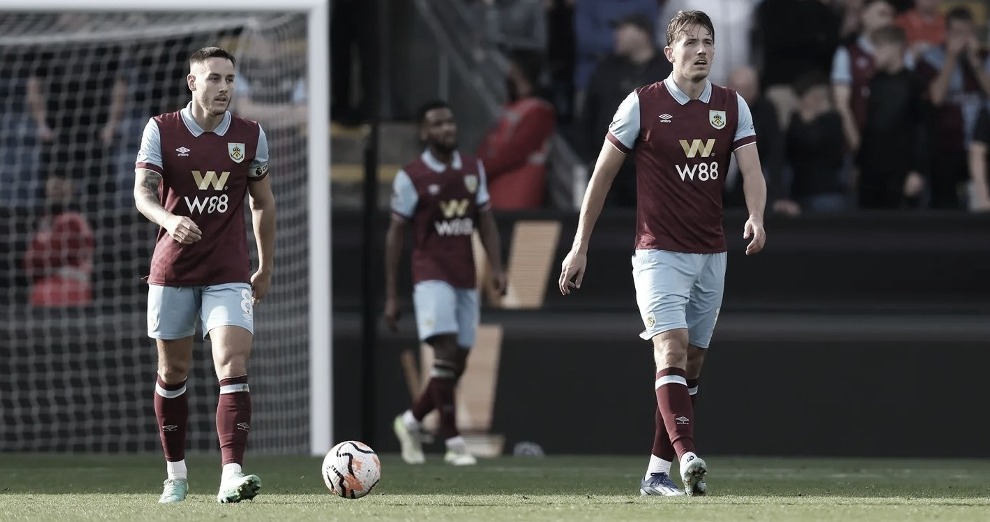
column 683, row 130
column 193, row 171
column 443, row 196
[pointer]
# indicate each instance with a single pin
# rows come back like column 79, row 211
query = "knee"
column 173, row 371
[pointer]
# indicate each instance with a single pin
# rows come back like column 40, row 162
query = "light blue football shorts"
column 443, row 309
column 678, row 290
column 174, row 311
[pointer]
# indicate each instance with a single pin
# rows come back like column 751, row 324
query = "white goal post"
column 317, row 161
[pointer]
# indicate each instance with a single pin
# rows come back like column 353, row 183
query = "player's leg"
column 228, row 320
column 434, row 303
column 468, row 315
column 172, row 316
column 663, row 285
column 702, row 315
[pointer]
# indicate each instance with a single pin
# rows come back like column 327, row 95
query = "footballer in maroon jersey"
column 195, row 168
column 683, row 131
column 444, row 197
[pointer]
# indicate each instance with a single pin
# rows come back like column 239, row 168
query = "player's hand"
column 754, row 229
column 392, row 313
column 500, row 282
column 572, row 271
column 182, row 229
column 261, row 281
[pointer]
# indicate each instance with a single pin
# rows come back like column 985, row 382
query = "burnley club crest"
column 236, row 151
column 717, row 119
column 471, row 182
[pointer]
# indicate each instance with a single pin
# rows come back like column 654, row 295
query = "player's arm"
column 262, row 203
column 620, row 139
column 488, row 232
column 404, row 201
column 147, row 180
column 754, row 185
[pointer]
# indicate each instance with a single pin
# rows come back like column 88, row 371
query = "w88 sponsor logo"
column 703, row 171
column 208, row 204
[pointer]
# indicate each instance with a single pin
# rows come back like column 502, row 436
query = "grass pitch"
column 75, row 487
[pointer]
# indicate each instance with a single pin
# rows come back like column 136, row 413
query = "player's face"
column 692, row 53
column 439, row 130
column 212, row 84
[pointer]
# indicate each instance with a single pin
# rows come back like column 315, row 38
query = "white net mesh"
column 77, row 369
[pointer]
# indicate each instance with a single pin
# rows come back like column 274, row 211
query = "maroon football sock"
column 172, row 413
column 233, row 418
column 443, row 398
column 692, row 385
column 674, row 403
column 424, row 404
column 661, row 440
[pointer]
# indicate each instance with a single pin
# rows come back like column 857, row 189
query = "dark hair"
column 889, row 34
column 960, row 14
column 427, row 107
column 683, row 19
column 808, row 81
column 211, row 52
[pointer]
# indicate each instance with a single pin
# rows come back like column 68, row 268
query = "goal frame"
column 318, row 144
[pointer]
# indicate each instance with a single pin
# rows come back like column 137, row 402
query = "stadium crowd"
column 869, row 104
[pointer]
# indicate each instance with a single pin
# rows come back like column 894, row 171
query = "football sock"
column 233, row 418
column 692, row 385
column 410, row 420
column 443, row 383
column 230, row 470
column 176, row 470
column 674, row 402
column 663, row 450
column 172, row 414
column 423, row 405
column 657, row 465
column 457, row 443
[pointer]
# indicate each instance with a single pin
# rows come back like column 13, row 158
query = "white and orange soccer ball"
column 351, row 469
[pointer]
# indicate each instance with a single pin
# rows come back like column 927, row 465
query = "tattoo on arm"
column 151, row 182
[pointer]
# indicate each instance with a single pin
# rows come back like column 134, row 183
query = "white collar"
column 682, row 98
column 439, row 166
column 194, row 127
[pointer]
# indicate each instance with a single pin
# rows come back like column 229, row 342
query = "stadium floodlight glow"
column 315, row 203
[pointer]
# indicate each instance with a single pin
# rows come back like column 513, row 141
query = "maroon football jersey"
column 682, row 150
column 443, row 203
column 204, row 177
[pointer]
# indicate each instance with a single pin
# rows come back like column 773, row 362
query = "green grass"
column 53, row 487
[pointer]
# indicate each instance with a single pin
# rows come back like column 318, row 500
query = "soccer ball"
column 351, row 469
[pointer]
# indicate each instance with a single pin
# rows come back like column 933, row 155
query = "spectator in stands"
column 733, row 24
column 796, row 37
column 745, row 80
column 513, row 24
column 76, row 94
column 593, row 23
column 958, row 76
column 514, row 151
column 924, row 25
column 815, row 148
column 59, row 258
column 635, row 62
column 892, row 156
column 853, row 67
column 850, row 14
column 979, row 164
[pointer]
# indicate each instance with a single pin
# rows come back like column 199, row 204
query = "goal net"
column 77, row 370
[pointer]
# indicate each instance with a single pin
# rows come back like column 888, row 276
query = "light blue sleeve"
column 483, row 197
column 841, row 68
column 745, row 128
column 404, row 196
column 151, row 145
column 259, row 165
column 625, row 124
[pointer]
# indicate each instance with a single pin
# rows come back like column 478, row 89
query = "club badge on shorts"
column 717, row 119
column 236, row 151
column 471, row 182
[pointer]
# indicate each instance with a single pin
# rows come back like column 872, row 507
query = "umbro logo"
column 665, row 118
column 243, row 426
column 182, row 151
column 682, row 420
column 170, row 427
